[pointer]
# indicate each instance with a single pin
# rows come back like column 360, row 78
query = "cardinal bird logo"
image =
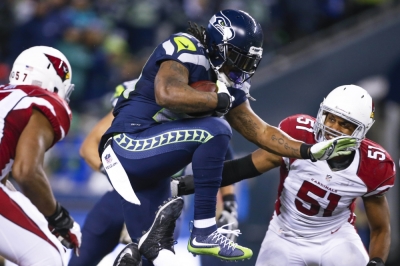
column 60, row 66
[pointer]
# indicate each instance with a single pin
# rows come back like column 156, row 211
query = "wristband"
column 305, row 152
column 376, row 261
column 223, row 102
column 229, row 197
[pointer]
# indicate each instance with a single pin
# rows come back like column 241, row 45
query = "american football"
column 204, row 85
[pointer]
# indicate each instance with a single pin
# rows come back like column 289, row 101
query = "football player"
column 152, row 137
column 313, row 221
column 104, row 225
column 34, row 116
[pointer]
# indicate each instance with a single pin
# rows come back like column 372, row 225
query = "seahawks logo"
column 223, row 25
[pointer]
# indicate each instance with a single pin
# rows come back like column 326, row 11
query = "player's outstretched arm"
column 377, row 210
column 272, row 139
column 89, row 148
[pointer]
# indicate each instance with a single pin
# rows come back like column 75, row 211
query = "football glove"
column 182, row 185
column 229, row 216
column 376, row 262
column 328, row 149
column 225, row 100
column 63, row 226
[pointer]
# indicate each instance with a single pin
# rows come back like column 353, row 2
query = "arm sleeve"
column 237, row 170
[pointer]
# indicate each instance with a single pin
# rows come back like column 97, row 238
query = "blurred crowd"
column 107, row 41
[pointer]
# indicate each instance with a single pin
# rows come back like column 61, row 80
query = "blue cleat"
column 218, row 245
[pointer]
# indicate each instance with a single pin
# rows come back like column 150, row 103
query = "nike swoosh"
column 203, row 244
column 184, row 45
column 332, row 232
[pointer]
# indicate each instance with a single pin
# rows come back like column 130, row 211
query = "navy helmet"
column 233, row 37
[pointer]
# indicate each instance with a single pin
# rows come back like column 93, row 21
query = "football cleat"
column 129, row 256
column 218, row 245
column 160, row 234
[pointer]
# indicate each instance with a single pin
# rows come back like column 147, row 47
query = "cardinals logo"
column 373, row 111
column 223, row 25
column 60, row 66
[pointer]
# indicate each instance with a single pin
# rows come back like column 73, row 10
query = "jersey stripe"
column 7, row 104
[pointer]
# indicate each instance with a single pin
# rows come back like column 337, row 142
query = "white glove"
column 328, row 149
column 224, row 101
column 229, row 218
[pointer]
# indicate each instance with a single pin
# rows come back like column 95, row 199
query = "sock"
column 207, row 164
column 204, row 223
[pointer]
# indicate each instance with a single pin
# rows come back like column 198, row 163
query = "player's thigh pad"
column 161, row 151
column 24, row 236
column 344, row 248
column 277, row 251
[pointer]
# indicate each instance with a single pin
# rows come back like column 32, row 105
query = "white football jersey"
column 312, row 198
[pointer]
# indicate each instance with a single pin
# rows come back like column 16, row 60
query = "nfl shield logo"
column 108, row 158
column 328, row 177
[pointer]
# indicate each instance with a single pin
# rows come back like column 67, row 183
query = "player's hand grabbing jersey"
column 312, row 198
column 16, row 105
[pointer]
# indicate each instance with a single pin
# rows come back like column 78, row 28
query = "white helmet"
column 351, row 103
column 44, row 67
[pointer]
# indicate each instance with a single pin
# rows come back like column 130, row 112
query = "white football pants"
column 342, row 247
column 24, row 235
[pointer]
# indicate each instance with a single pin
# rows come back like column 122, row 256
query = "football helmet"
column 351, row 103
column 44, row 67
column 235, row 38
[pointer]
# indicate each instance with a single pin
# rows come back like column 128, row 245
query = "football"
column 204, row 85
column 207, row 86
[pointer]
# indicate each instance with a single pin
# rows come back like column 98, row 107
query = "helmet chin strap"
column 221, row 76
column 224, row 78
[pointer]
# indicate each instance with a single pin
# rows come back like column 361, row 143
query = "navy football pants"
column 150, row 157
column 101, row 230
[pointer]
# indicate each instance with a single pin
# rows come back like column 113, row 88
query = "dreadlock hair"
column 198, row 32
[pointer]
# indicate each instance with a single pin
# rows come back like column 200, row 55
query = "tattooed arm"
column 173, row 92
column 253, row 128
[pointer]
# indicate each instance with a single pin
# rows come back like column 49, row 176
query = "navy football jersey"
column 136, row 108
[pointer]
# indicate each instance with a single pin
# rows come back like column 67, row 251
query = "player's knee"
column 220, row 126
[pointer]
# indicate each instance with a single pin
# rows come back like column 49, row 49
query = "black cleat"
column 129, row 256
column 160, row 234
